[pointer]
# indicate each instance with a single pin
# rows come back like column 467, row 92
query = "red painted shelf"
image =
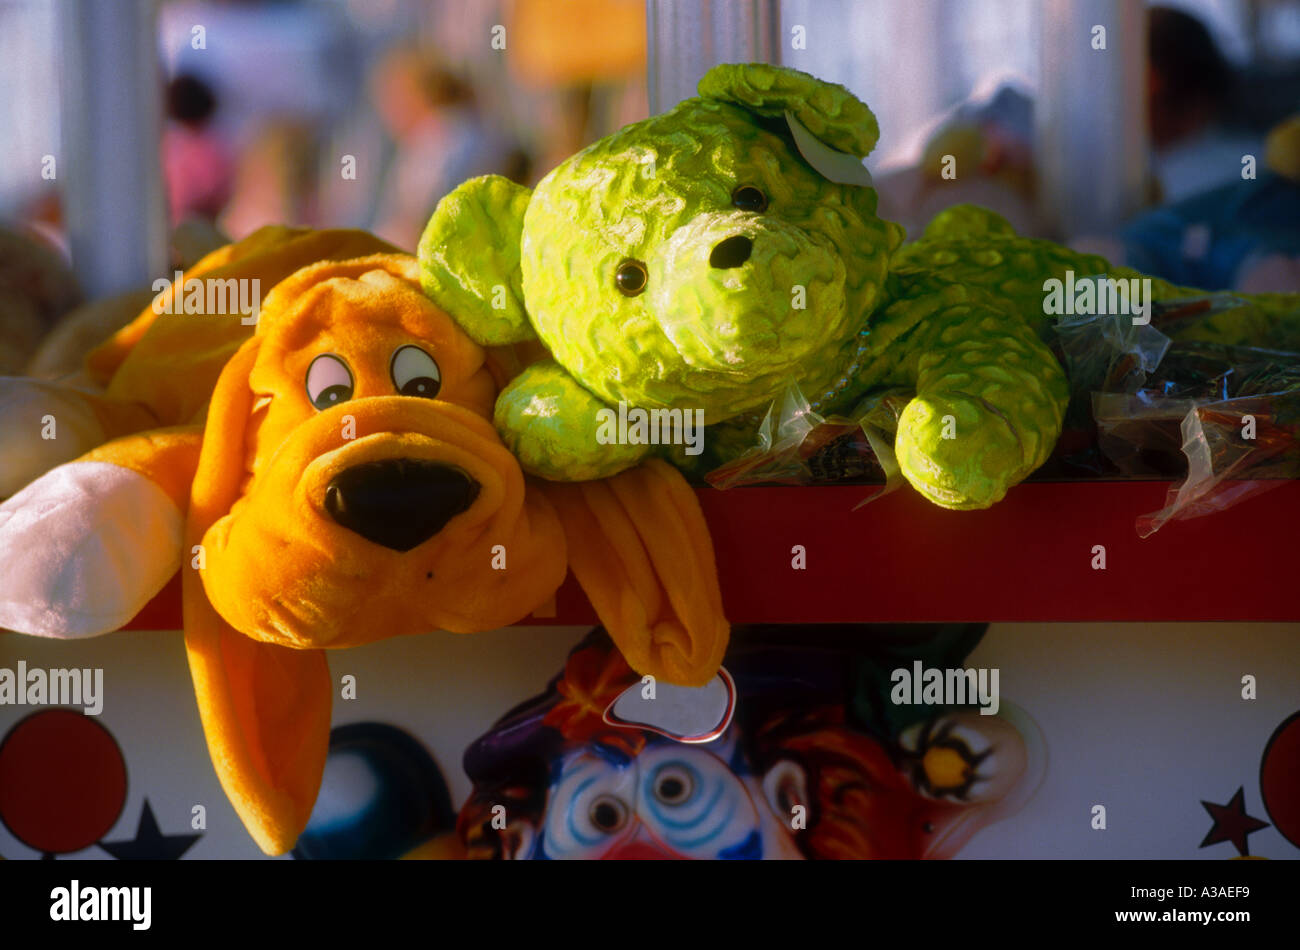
column 1029, row 558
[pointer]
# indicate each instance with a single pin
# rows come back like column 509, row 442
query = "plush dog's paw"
column 958, row 450
column 83, row 548
column 640, row 548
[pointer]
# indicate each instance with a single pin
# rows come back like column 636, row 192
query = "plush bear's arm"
column 978, row 250
column 989, row 402
column 86, row 545
column 469, row 259
column 1268, row 320
column 560, row 431
column 640, row 548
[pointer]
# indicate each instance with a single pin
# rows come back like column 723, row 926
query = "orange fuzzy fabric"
column 640, row 548
column 247, row 463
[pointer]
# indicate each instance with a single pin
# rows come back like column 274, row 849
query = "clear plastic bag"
column 1226, row 418
column 1142, row 405
column 797, row 446
column 1235, row 449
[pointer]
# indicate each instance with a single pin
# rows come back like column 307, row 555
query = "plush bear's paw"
column 958, row 450
column 560, row 431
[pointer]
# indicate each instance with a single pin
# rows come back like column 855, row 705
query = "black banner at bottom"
column 215, row 899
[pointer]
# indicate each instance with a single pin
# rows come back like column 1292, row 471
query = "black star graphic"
column 150, row 844
column 1231, row 823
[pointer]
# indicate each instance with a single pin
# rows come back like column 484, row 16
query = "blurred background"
column 140, row 133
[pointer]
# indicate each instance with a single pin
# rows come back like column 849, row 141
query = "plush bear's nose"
column 732, row 252
column 398, row 503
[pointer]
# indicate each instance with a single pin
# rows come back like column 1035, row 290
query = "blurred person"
column 1189, row 84
column 585, row 89
column 1188, row 80
column 1243, row 235
column 991, row 139
column 440, row 139
column 197, row 164
column 1214, row 229
column 276, row 179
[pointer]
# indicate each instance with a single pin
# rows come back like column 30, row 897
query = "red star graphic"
column 1231, row 823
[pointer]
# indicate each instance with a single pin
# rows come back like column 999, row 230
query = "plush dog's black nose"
column 732, row 252
column 398, row 503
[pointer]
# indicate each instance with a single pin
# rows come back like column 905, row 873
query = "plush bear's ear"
column 469, row 259
column 823, row 112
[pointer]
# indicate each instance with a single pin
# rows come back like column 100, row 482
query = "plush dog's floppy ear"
column 265, row 708
column 266, row 715
column 469, row 259
column 225, row 433
column 832, row 128
column 639, row 546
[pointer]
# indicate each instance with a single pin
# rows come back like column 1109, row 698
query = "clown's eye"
column 748, row 198
column 329, row 381
column 673, row 785
column 608, row 814
column 630, row 277
column 415, row 373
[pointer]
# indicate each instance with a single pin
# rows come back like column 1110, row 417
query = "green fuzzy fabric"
column 827, row 297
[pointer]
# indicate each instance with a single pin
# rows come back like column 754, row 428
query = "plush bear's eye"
column 415, row 372
column 630, row 277
column 329, row 381
column 749, row 198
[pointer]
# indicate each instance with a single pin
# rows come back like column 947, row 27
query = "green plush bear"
column 706, row 258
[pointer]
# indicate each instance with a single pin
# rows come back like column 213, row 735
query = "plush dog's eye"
column 748, row 198
column 415, row 373
column 630, row 277
column 329, row 381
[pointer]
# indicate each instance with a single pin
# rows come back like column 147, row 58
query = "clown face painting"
column 801, row 772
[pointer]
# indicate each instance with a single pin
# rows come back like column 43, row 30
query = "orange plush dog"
column 342, row 484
